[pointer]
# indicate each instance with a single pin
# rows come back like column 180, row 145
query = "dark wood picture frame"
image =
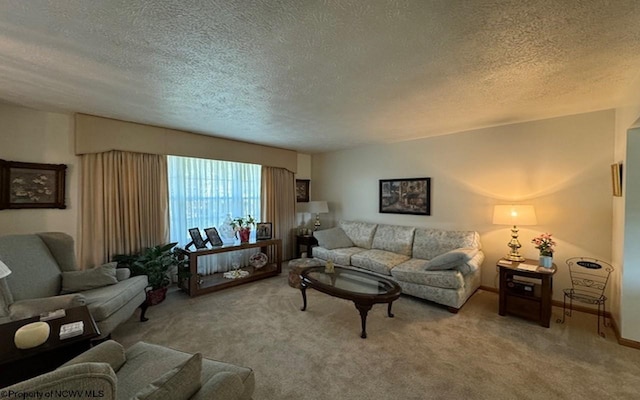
column 213, row 237
column 197, row 239
column 302, row 190
column 405, row 196
column 264, row 230
column 32, row 185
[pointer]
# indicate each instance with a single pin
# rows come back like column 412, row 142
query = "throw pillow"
column 31, row 307
column 333, row 238
column 78, row 281
column 450, row 259
column 182, row 382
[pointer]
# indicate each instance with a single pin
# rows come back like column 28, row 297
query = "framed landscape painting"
column 302, row 190
column 405, row 196
column 31, row 185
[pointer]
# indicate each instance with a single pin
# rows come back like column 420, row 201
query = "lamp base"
column 514, row 257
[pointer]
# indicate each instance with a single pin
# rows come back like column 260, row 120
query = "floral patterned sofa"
column 437, row 265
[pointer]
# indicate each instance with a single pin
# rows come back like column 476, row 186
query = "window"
column 203, row 192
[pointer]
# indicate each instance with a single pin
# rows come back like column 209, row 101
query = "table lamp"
column 317, row 208
column 4, row 270
column 514, row 215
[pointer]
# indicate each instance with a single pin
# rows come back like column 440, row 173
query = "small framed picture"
column 616, row 179
column 302, row 190
column 213, row 236
column 264, row 230
column 31, row 185
column 197, row 239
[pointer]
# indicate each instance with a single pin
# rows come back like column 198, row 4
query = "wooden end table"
column 17, row 365
column 534, row 304
column 308, row 241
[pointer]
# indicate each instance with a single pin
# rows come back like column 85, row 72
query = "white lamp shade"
column 4, row 270
column 514, row 215
column 318, row 207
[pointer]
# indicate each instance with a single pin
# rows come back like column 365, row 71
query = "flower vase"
column 244, row 235
column 546, row 261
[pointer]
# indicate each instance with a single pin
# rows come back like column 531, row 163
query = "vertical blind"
column 202, row 193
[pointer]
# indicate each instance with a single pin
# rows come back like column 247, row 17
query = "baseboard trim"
column 614, row 324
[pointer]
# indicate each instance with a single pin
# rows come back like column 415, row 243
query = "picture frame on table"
column 197, row 239
column 405, row 196
column 302, row 190
column 213, row 236
column 264, row 230
column 32, row 185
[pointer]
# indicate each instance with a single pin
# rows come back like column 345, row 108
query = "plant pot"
column 156, row 296
column 546, row 261
column 244, row 235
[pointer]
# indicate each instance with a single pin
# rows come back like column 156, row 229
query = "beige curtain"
column 278, row 206
column 124, row 204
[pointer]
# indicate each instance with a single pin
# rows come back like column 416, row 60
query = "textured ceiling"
column 317, row 76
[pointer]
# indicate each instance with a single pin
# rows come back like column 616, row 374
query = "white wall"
column 41, row 137
column 560, row 165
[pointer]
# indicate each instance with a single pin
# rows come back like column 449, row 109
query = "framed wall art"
column 302, row 190
column 616, row 179
column 264, row 230
column 32, row 185
column 405, row 196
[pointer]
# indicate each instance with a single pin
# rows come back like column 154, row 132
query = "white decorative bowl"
column 32, row 335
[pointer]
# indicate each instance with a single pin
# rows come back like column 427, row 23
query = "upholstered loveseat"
column 144, row 371
column 43, row 265
column 437, row 265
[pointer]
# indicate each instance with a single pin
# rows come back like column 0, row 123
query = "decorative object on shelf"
column 258, row 260
column 545, row 244
column 196, row 239
column 32, row 335
column 405, row 196
column 264, row 230
column 31, row 185
column 227, row 234
column 4, row 270
column 317, row 208
column 213, row 237
column 514, row 215
column 302, row 190
column 235, row 274
column 242, row 227
column 616, row 179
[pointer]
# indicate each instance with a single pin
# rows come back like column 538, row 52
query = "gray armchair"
column 38, row 263
column 144, row 370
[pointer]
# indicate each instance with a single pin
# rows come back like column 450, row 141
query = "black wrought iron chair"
column 589, row 278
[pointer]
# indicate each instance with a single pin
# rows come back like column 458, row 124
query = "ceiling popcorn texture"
column 316, row 76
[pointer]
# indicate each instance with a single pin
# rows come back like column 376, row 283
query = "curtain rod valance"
column 97, row 134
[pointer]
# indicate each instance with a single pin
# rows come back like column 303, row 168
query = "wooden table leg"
column 389, row 313
column 364, row 310
column 303, row 289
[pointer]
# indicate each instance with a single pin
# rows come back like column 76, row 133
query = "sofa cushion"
column 379, row 261
column 104, row 301
column 180, row 383
column 360, row 233
column 338, row 256
column 147, row 362
column 34, row 271
column 32, row 307
column 450, row 259
column 62, row 249
column 394, row 238
column 77, row 281
column 430, row 243
column 413, row 271
column 110, row 352
column 333, row 238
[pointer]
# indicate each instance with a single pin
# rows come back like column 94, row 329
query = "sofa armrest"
column 223, row 385
column 96, row 378
column 110, row 352
column 474, row 264
column 32, row 307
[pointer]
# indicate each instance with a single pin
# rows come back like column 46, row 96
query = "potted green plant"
column 242, row 227
column 154, row 262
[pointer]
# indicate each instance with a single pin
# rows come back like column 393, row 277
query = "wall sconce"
column 514, row 215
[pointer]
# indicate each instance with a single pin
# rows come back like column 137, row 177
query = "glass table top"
column 351, row 280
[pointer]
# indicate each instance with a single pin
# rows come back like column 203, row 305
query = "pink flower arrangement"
column 545, row 244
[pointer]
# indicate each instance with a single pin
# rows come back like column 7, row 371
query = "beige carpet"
column 423, row 353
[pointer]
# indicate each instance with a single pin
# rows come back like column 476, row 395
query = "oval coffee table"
column 361, row 287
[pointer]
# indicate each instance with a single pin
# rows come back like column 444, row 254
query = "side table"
column 308, row 241
column 17, row 365
column 530, row 297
